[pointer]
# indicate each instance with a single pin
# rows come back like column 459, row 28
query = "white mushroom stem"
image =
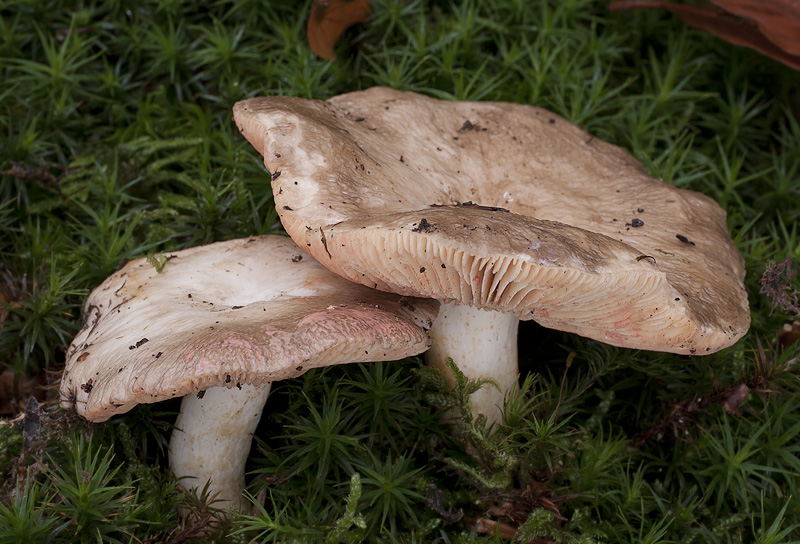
column 483, row 344
column 211, row 440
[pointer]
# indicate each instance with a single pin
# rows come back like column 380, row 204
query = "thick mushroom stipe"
column 490, row 354
column 503, row 207
column 212, row 437
column 227, row 315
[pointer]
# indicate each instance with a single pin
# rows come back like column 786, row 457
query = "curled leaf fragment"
column 771, row 28
column 330, row 18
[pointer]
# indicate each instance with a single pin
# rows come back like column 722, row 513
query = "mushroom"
column 217, row 325
column 504, row 212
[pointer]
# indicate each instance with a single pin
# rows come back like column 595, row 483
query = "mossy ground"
column 116, row 141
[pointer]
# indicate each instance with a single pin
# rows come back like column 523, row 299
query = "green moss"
column 116, row 142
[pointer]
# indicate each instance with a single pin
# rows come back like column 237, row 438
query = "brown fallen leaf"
column 778, row 20
column 490, row 527
column 735, row 399
column 503, row 510
column 261, row 499
column 330, row 18
column 504, row 531
column 758, row 31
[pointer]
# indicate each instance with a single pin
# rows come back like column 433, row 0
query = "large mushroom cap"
column 504, row 207
column 245, row 311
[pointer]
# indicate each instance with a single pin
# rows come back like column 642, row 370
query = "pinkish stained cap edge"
column 245, row 311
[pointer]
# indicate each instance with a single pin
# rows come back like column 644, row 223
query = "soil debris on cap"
column 423, row 226
column 467, row 126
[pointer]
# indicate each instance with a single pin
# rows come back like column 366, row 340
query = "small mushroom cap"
column 504, row 207
column 245, row 311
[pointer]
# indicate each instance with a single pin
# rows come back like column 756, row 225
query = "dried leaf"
column 261, row 499
column 734, row 29
column 330, row 18
column 489, row 527
column 501, row 510
column 778, row 20
column 735, row 399
column 504, row 531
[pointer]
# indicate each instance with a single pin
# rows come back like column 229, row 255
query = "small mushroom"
column 503, row 212
column 216, row 326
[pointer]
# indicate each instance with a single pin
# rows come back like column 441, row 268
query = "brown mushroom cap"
column 245, row 311
column 501, row 206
